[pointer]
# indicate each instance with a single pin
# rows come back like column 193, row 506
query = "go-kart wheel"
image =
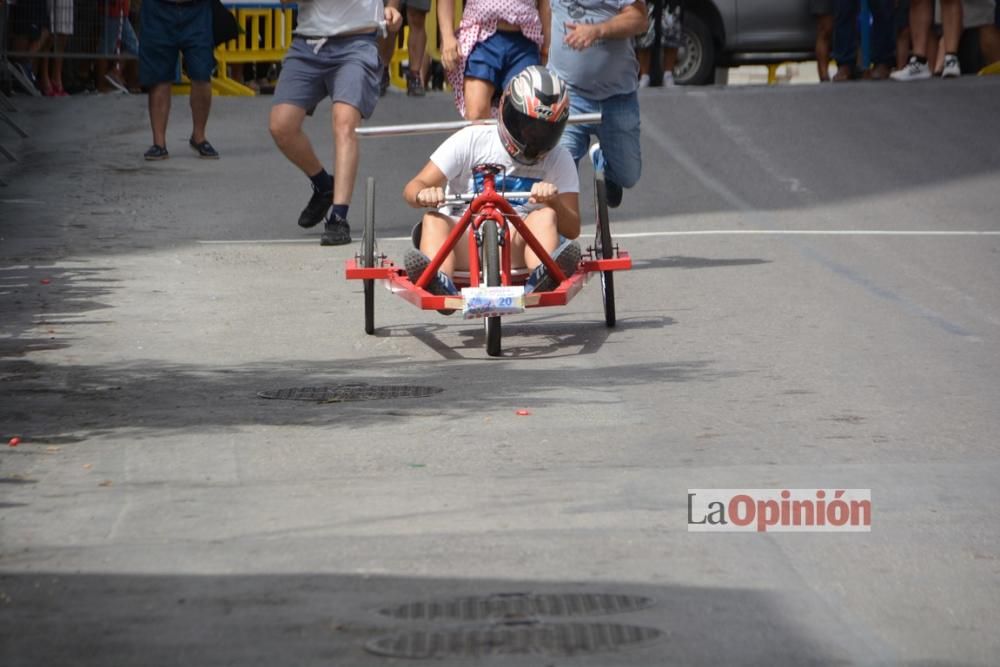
column 491, row 273
column 368, row 255
column 604, row 245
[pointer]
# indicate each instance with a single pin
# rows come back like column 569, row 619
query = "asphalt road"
column 813, row 305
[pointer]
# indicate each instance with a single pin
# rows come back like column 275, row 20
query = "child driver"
column 533, row 112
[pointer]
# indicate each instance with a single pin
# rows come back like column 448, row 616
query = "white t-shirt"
column 327, row 18
column 480, row 144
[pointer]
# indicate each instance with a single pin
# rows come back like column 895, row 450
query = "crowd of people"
column 43, row 31
column 596, row 56
column 911, row 40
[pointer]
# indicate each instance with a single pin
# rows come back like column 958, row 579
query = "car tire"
column 696, row 60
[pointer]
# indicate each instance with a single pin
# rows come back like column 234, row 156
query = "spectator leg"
column 201, row 104
column 346, row 119
column 159, row 112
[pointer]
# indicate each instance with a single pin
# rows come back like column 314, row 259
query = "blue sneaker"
column 612, row 190
column 566, row 257
column 441, row 284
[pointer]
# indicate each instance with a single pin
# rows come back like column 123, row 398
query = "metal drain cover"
column 556, row 639
column 350, row 392
column 518, row 605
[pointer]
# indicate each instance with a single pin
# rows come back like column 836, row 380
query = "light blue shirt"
column 609, row 67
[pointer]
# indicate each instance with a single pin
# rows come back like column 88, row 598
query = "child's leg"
column 542, row 223
column 433, row 234
column 478, row 98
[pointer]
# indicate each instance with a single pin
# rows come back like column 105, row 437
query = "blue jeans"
column 618, row 133
column 845, row 32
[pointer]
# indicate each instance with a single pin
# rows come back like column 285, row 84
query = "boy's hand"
column 543, row 192
column 433, row 197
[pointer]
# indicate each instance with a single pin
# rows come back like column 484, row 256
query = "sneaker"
column 914, row 70
column 414, row 87
column 566, row 257
column 315, row 211
column 644, row 81
column 383, row 84
column 204, row 149
column 596, row 156
column 668, row 79
column 611, row 189
column 951, row 67
column 156, row 152
column 336, row 231
column 416, row 262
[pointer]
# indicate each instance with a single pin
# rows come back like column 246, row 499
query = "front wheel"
column 605, row 249
column 368, row 255
column 491, row 272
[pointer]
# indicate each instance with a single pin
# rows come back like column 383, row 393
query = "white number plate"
column 492, row 301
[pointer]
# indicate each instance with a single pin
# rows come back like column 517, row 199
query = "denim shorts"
column 169, row 28
column 345, row 69
column 500, row 57
column 618, row 133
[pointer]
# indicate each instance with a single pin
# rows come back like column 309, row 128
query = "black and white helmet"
column 534, row 110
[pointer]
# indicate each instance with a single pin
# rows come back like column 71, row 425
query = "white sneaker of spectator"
column 668, row 79
column 644, row 81
column 951, row 67
column 914, row 70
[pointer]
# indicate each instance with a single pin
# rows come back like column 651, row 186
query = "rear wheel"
column 605, row 249
column 491, row 274
column 368, row 255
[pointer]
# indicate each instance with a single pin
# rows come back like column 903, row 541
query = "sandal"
column 204, row 149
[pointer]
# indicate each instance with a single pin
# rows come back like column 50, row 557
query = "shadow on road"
column 321, row 619
column 47, row 403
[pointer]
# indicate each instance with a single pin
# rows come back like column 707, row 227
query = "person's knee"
column 416, row 18
column 626, row 172
column 344, row 133
column 434, row 225
column 282, row 128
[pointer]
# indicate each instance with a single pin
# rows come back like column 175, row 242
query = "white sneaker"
column 951, row 68
column 668, row 79
column 913, row 71
column 644, row 81
column 595, row 154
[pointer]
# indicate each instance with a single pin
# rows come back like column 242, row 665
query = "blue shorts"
column 345, row 69
column 109, row 37
column 500, row 57
column 169, row 28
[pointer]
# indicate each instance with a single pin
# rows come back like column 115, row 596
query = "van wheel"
column 696, row 57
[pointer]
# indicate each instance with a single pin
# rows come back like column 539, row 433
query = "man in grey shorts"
column 334, row 54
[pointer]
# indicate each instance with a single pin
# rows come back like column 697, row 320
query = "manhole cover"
column 350, row 392
column 518, row 605
column 556, row 639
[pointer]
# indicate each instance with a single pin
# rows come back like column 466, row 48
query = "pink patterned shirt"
column 479, row 22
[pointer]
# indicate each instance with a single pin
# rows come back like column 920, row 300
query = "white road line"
column 692, row 232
